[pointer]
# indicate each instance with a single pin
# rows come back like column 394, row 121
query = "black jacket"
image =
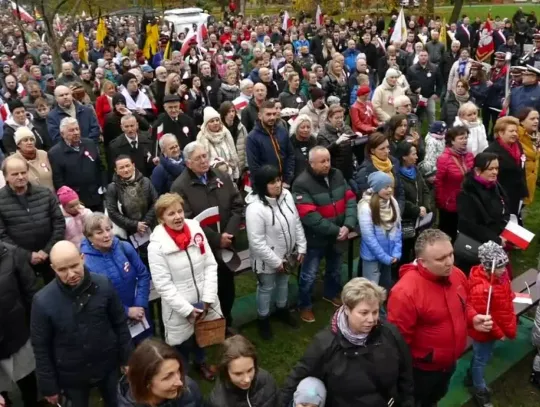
column 32, row 222
column 249, row 115
column 198, row 197
column 114, row 197
column 291, row 100
column 482, row 212
column 367, row 375
column 40, row 124
column 340, row 90
column 341, row 154
column 80, row 170
column 142, row 156
column 8, row 141
column 183, row 128
column 429, row 78
column 450, row 108
column 17, row 288
column 212, row 84
column 79, row 335
column 113, row 129
column 301, row 151
column 272, row 89
column 262, row 393
column 511, row 175
column 416, row 195
column 371, row 53
column 448, row 60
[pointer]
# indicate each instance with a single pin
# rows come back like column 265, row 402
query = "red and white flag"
column 287, row 23
column 159, row 132
column 486, row 46
column 191, row 38
column 202, row 34
column 319, row 17
column 209, row 217
column 24, row 15
column 517, row 235
column 240, row 105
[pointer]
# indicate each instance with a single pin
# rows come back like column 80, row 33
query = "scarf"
column 459, row 152
column 340, row 321
column 29, row 156
column 512, row 149
column 463, row 98
column 229, row 88
column 180, row 237
column 220, row 147
column 461, row 68
column 386, row 211
column 485, row 182
column 384, row 166
column 409, row 172
column 142, row 101
column 437, row 136
column 71, row 110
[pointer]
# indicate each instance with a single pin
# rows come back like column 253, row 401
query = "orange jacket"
column 501, row 308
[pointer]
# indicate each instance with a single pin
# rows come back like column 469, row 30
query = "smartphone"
column 199, row 305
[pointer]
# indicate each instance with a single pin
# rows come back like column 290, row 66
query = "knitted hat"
column 127, row 77
column 66, row 195
column 332, row 100
column 363, row 90
column 491, row 251
column 209, row 114
column 118, row 98
column 379, row 180
column 317, row 94
column 14, row 104
column 438, row 128
column 23, row 132
column 310, row 391
column 392, row 73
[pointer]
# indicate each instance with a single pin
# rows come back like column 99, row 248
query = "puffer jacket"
column 432, row 314
column 477, row 141
column 317, row 116
column 450, row 109
column 227, row 93
column 190, row 397
column 17, row 288
column 75, row 225
column 241, row 138
column 183, row 278
column 333, row 87
column 115, row 202
column 416, row 195
column 383, row 100
column 434, row 148
column 124, row 268
column 36, row 225
column 449, row 178
column 501, row 308
column 291, row 100
column 263, row 392
column 274, row 231
column 536, row 328
column 341, row 155
column 378, row 244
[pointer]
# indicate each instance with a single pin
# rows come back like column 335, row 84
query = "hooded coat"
column 383, row 100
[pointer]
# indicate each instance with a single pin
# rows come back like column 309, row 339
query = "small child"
column 310, row 392
column 501, row 310
column 435, row 145
column 74, row 214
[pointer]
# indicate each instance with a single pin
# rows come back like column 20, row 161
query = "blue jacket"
column 376, row 243
column 79, row 335
column 254, row 76
column 495, row 93
column 478, row 91
column 299, row 44
column 85, row 116
column 524, row 96
column 165, row 173
column 260, row 151
column 350, row 58
column 124, row 268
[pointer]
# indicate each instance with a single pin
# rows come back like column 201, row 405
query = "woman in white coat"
column 276, row 242
column 184, row 273
column 468, row 117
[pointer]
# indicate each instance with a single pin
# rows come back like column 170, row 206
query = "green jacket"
column 324, row 208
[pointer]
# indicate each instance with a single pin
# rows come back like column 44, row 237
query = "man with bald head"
column 250, row 114
column 272, row 88
column 79, row 332
column 67, row 107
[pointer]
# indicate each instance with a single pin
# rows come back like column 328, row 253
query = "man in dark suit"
column 465, row 34
column 134, row 144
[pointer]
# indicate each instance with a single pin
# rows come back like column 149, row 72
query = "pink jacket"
column 451, row 169
column 75, row 225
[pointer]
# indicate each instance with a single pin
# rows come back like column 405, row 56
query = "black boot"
column 284, row 315
column 482, row 398
column 535, row 378
column 265, row 330
column 467, row 381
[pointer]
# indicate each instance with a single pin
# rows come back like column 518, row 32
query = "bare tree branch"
column 58, row 7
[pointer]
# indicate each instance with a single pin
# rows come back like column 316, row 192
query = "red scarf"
column 181, row 238
column 513, row 150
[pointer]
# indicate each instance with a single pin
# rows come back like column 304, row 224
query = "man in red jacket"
column 429, row 307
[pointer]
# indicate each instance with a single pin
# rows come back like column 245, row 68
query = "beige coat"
column 40, row 170
column 383, row 100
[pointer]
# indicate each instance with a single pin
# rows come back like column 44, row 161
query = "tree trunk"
column 56, row 55
column 458, row 4
column 430, row 8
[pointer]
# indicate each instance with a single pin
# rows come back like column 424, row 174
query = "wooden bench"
column 519, row 285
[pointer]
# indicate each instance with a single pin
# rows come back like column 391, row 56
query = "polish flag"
column 202, row 34
column 4, row 111
column 24, row 16
column 319, row 17
column 517, row 235
column 287, row 23
column 240, row 105
column 159, row 132
column 190, row 39
column 209, row 217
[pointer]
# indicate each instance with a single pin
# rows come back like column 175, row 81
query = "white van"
column 183, row 18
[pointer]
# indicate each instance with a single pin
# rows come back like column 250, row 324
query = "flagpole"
column 491, row 284
column 508, row 60
column 23, row 33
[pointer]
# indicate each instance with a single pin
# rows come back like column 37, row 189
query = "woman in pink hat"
column 74, row 214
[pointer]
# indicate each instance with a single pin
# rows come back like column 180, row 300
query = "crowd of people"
column 124, row 173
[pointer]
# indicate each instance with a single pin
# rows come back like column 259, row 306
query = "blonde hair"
column 360, row 289
column 502, row 123
column 106, row 85
column 164, row 202
column 467, row 107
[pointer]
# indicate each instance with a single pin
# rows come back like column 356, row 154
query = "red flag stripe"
column 211, row 220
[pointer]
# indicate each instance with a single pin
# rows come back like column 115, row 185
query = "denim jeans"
column 482, row 352
column 268, row 285
column 79, row 396
column 377, row 273
column 309, row 270
column 188, row 347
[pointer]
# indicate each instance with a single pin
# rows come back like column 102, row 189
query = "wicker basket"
column 208, row 333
